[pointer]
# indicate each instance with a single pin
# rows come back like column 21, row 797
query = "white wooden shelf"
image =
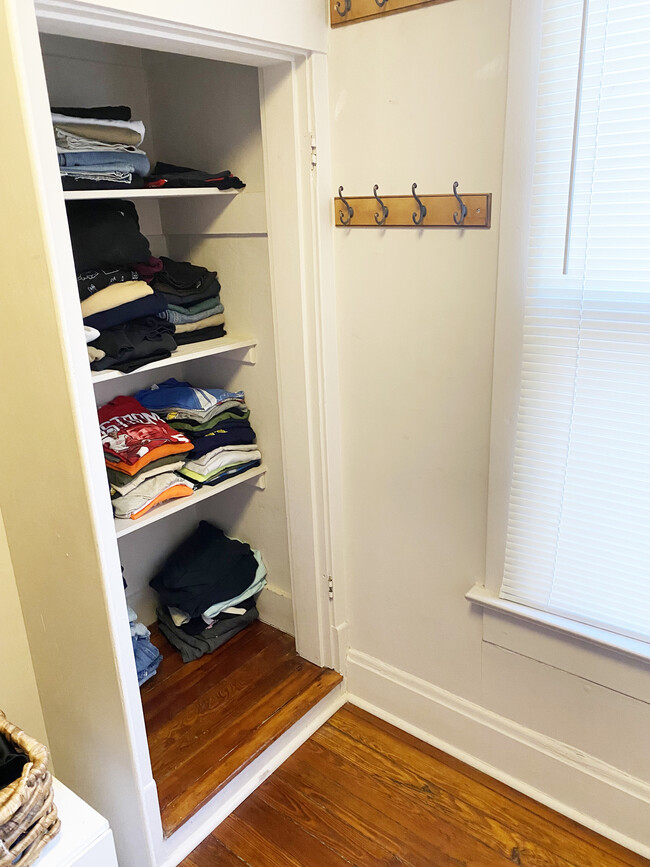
column 242, row 347
column 138, row 193
column 125, row 526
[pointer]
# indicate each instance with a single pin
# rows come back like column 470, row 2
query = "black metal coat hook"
column 463, row 208
column 347, row 205
column 347, row 5
column 423, row 211
column 384, row 210
column 381, row 3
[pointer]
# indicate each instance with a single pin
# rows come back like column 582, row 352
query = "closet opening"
column 197, row 723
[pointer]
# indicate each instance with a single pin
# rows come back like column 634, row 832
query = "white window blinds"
column 578, row 541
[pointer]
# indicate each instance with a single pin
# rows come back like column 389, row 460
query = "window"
column 578, row 530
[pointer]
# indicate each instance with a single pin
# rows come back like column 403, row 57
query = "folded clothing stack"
column 147, row 656
column 208, row 587
column 192, row 294
column 114, row 271
column 98, row 148
column 216, row 422
column 142, row 454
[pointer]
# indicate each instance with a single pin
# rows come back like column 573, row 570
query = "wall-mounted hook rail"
column 448, row 210
column 418, row 217
column 345, row 221
column 384, row 210
column 341, row 11
column 459, row 220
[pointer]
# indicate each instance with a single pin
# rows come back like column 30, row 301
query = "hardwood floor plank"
column 196, row 723
column 360, row 793
column 213, row 853
column 251, row 846
column 609, row 847
column 457, row 795
column 177, row 674
column 342, row 837
column 280, row 834
column 418, row 836
column 460, row 810
column 185, row 791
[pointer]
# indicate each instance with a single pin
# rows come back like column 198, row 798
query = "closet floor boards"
column 365, row 793
column 208, row 719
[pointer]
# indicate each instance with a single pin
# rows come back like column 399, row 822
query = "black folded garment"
column 134, row 344
column 205, row 569
column 150, row 305
column 231, row 432
column 197, row 625
column 210, row 333
column 71, row 184
column 100, row 112
column 193, row 647
column 169, row 175
column 93, row 281
column 12, row 761
column 184, row 283
column 106, row 234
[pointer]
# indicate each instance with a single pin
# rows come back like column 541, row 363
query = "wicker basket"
column 28, row 817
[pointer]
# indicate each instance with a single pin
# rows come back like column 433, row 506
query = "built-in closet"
column 211, row 103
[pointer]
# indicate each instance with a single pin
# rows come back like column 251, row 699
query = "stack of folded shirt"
column 208, row 587
column 217, row 423
column 98, row 148
column 114, row 271
column 194, row 303
column 141, row 453
column 147, row 656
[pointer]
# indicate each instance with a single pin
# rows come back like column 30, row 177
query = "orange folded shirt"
column 159, row 452
column 170, row 494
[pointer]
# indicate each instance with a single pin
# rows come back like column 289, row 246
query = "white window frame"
column 518, row 164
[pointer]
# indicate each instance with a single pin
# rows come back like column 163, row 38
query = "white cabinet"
column 85, row 838
column 214, row 101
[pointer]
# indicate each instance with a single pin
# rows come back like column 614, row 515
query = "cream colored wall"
column 421, row 96
column 418, row 96
column 19, row 697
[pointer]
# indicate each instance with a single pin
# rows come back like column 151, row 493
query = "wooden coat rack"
column 349, row 11
column 414, row 211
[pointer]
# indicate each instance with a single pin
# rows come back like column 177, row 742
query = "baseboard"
column 276, row 608
column 573, row 783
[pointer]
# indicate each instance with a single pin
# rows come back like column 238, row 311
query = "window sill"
column 480, row 595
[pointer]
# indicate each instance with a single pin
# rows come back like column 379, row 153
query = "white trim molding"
column 574, row 783
column 480, row 595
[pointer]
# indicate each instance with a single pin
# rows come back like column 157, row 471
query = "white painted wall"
column 421, row 97
column 19, row 697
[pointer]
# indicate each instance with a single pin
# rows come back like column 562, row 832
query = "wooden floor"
column 362, row 792
column 206, row 720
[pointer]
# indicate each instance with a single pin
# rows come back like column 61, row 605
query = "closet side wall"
column 19, row 698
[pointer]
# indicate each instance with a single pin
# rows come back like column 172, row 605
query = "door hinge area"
column 330, row 587
column 314, row 151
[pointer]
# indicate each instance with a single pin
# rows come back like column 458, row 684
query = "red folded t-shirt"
column 132, row 436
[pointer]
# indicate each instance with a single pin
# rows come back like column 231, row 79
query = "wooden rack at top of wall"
column 349, row 11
